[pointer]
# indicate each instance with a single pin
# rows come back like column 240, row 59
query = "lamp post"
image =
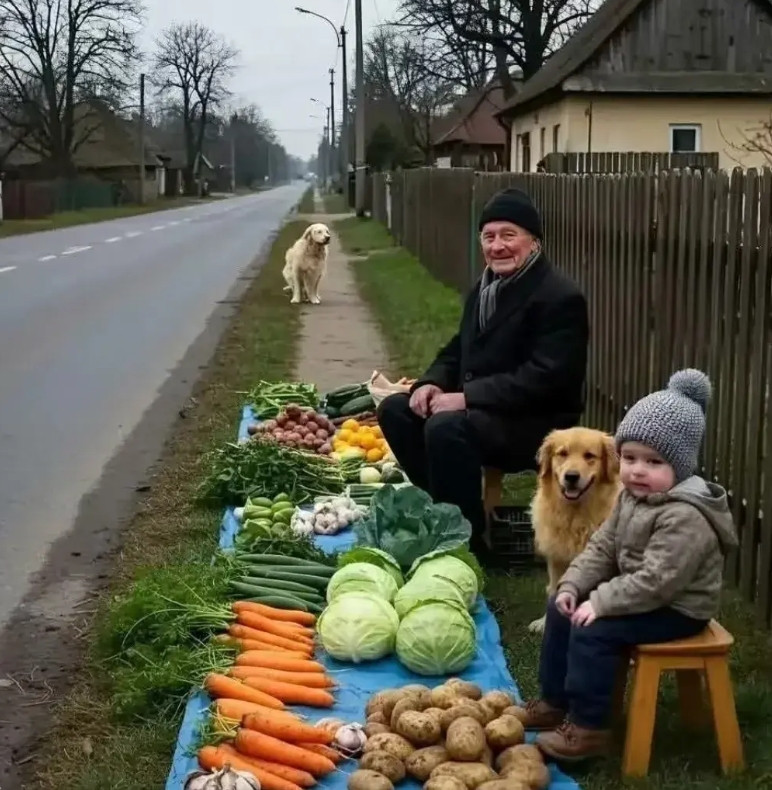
column 340, row 35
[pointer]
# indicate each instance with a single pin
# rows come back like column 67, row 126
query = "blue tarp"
column 358, row 683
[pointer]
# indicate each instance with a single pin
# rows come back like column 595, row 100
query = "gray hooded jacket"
column 660, row 550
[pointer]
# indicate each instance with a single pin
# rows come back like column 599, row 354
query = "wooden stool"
column 493, row 480
column 705, row 655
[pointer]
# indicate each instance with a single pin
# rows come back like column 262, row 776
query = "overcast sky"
column 285, row 56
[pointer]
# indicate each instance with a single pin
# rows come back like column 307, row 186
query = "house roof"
column 473, row 119
column 581, row 47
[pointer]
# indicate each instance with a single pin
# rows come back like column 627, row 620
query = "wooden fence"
column 677, row 271
column 32, row 199
column 628, row 162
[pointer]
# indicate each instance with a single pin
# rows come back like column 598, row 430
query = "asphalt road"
column 93, row 319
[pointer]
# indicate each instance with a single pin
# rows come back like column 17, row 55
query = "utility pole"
column 141, row 138
column 359, row 158
column 233, row 153
column 330, row 134
column 344, row 146
column 332, row 123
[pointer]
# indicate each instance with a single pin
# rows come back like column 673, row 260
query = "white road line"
column 186, row 219
column 7, row 269
column 174, row 222
column 112, row 240
column 47, row 258
column 74, row 250
column 132, row 233
column 158, row 227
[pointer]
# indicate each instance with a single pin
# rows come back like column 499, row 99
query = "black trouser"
column 578, row 666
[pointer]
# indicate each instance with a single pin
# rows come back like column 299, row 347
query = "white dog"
column 306, row 264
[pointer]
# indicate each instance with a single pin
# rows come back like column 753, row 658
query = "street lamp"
column 340, row 37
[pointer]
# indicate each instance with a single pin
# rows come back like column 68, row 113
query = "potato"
column 435, row 713
column 368, row 780
column 514, row 710
column 532, row 774
column 444, row 696
column 423, row 761
column 519, row 755
column 388, row 702
column 489, row 710
column 503, row 784
column 445, row 783
column 403, row 705
column 464, row 688
column 418, row 728
column 424, row 694
column 465, row 707
column 377, row 702
column 373, row 728
column 499, row 700
column 465, row 739
column 390, row 742
column 503, row 732
column 471, row 774
column 384, row 763
column 487, row 756
column 377, row 718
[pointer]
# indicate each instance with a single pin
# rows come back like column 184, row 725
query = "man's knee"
column 447, row 426
column 393, row 406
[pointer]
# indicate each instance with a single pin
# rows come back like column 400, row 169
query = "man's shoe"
column 571, row 743
column 539, row 715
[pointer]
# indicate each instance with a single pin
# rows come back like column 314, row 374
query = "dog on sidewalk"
column 305, row 264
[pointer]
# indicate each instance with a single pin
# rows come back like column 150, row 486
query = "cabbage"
column 437, row 638
column 358, row 627
column 427, row 588
column 447, row 567
column 362, row 577
column 374, row 556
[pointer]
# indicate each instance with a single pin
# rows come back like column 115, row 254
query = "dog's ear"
column 307, row 233
column 610, row 458
column 544, row 456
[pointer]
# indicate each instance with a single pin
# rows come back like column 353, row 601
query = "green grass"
column 335, row 203
column 306, row 205
column 360, row 236
column 66, row 219
column 416, row 314
column 168, row 545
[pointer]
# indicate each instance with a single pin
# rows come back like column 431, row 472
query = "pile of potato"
column 452, row 737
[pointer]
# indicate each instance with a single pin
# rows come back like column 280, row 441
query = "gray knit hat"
column 671, row 421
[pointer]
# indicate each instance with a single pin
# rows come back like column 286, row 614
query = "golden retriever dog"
column 577, row 487
column 306, row 263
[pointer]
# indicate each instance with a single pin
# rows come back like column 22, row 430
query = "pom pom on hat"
column 692, row 384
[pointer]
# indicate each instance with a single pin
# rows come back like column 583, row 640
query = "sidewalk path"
column 340, row 342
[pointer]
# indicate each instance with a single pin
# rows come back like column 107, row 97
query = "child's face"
column 644, row 471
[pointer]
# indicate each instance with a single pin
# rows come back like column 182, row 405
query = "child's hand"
column 584, row 615
column 565, row 603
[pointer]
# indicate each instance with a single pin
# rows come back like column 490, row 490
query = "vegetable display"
column 297, row 427
column 261, row 516
column 329, row 516
column 348, row 400
column 364, row 440
column 269, row 398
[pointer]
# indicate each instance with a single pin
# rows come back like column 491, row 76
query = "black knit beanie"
column 512, row 205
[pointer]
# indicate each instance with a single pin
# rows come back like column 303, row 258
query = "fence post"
column 473, row 246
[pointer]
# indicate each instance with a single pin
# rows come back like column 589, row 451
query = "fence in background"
column 30, row 199
column 676, row 267
column 628, row 162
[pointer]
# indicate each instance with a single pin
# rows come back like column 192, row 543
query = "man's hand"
column 584, row 615
column 448, row 401
column 565, row 602
column 421, row 399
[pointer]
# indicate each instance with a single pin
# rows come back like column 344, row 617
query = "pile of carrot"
column 275, row 668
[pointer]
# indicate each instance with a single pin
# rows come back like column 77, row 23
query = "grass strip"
column 335, row 203
column 98, row 738
column 306, row 205
column 416, row 314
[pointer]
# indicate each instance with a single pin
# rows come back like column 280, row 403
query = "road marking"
column 158, row 227
column 7, row 269
column 47, row 258
column 74, row 250
column 132, row 233
column 186, row 219
column 112, row 240
column 174, row 222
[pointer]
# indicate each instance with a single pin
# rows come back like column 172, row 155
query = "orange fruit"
column 374, row 454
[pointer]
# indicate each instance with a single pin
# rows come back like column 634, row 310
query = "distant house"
column 674, row 76
column 471, row 135
column 175, row 171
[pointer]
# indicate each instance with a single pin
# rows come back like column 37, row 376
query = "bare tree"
column 754, row 141
column 192, row 66
column 53, row 55
column 514, row 34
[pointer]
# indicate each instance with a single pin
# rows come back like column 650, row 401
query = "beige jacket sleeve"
column 597, row 562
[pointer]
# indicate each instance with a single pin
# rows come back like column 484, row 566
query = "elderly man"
column 513, row 372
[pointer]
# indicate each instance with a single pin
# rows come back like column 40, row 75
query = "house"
column 679, row 76
column 175, row 172
column 471, row 135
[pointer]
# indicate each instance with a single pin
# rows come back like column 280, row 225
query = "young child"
column 651, row 573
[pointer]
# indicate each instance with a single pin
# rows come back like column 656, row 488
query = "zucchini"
column 280, row 602
column 277, row 559
column 274, row 584
column 262, row 570
column 261, row 595
column 320, row 582
column 337, row 397
column 260, row 501
column 331, row 412
column 357, row 405
column 281, row 498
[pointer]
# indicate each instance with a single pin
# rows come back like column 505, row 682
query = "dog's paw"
column 294, row 300
column 537, row 626
column 316, row 300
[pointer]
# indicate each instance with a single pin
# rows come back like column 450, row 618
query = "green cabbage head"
column 447, row 567
column 427, row 588
column 362, row 577
column 358, row 627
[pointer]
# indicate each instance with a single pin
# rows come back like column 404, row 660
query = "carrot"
column 325, row 751
column 213, row 758
column 285, row 615
column 253, row 644
column 260, row 658
column 312, row 680
column 292, row 732
column 265, row 747
column 292, row 693
column 300, row 778
column 223, row 686
column 260, row 623
column 236, row 709
column 245, row 632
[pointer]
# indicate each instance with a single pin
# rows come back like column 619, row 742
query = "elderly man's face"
column 505, row 246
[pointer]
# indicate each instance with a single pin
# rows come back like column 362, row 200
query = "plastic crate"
column 512, row 539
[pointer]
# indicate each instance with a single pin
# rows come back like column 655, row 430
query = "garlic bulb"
column 350, row 739
column 226, row 779
column 330, row 724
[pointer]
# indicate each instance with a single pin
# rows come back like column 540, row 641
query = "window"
column 685, row 138
column 525, row 152
column 556, row 137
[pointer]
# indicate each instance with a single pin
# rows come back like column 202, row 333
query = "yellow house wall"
column 642, row 123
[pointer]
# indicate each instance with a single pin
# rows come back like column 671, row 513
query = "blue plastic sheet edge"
column 489, row 669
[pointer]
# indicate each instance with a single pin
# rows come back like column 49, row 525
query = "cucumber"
column 320, row 582
column 281, row 602
column 277, row 507
column 260, row 501
column 340, row 395
column 264, row 570
column 281, row 498
column 259, row 512
column 277, row 559
column 357, row 405
column 283, row 517
column 273, row 584
column 331, row 412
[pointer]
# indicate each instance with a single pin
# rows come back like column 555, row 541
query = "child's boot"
column 538, row 715
column 570, row 742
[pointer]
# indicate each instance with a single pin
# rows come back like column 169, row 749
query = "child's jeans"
column 579, row 664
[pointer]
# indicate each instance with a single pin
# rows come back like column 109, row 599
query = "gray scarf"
column 491, row 284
